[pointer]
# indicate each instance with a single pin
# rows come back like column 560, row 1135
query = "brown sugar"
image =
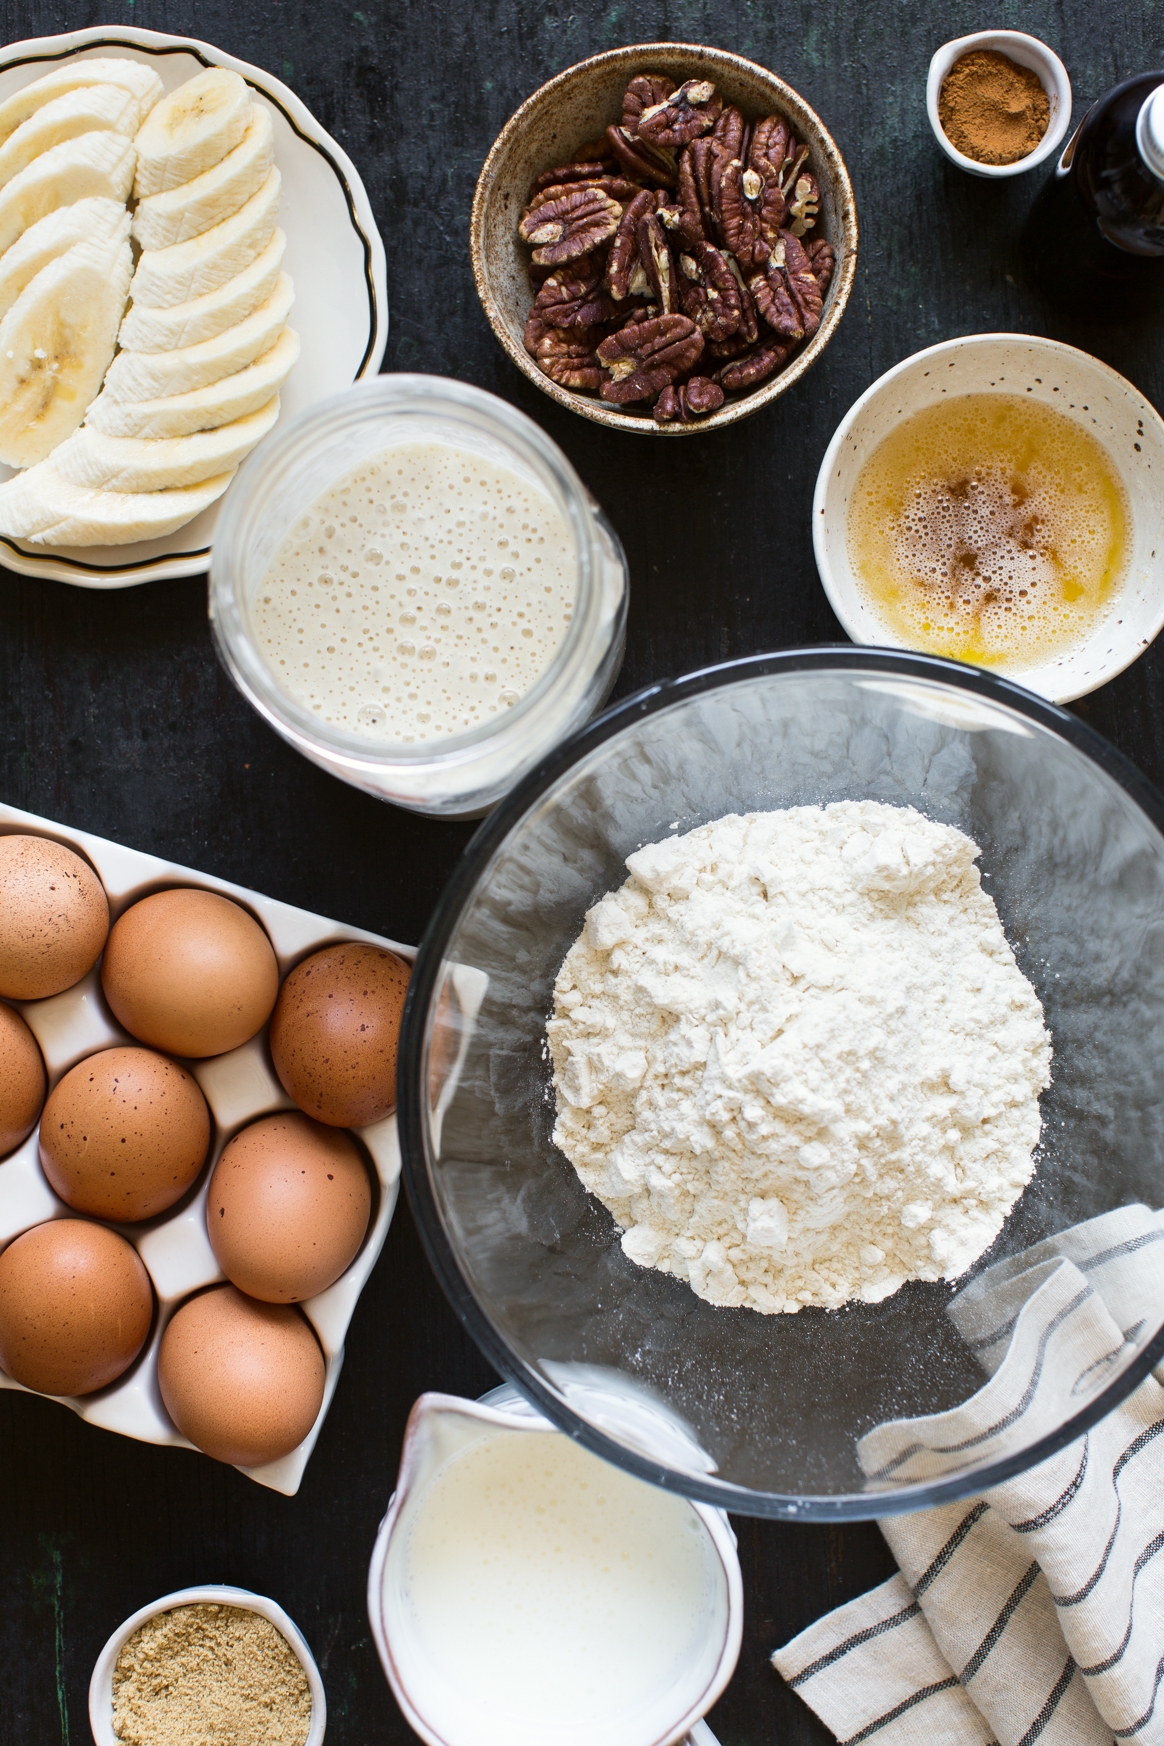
column 991, row 109
column 207, row 1673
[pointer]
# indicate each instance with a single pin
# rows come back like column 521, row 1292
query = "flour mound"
column 795, row 1057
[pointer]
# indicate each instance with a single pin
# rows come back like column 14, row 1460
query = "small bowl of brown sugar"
column 999, row 102
column 213, row 1663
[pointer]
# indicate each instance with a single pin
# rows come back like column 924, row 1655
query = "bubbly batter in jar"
column 420, row 596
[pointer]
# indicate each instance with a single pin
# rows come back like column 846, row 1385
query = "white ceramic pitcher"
column 440, row 1428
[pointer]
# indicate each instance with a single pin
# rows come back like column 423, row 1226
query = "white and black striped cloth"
column 1036, row 1612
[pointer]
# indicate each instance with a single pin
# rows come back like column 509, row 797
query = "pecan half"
column 793, row 160
column 568, row 358
column 823, row 258
column 584, row 171
column 573, row 224
column 774, row 301
column 804, row 204
column 771, row 139
column 645, row 357
column 624, row 250
column 691, row 226
column 733, row 347
column 574, row 296
column 756, row 367
column 731, row 130
column 687, row 113
column 643, row 93
column 749, row 314
column 695, row 399
column 655, row 255
column 790, row 259
column 642, row 159
column 670, row 212
column 738, row 218
column 708, row 292
column 616, row 187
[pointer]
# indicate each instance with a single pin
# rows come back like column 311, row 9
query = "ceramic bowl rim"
column 840, row 591
column 1053, row 76
column 219, row 1594
column 797, row 110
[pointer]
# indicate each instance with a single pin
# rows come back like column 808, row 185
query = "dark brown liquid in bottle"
column 1097, row 227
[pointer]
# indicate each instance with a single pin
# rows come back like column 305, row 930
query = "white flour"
column 795, row 1058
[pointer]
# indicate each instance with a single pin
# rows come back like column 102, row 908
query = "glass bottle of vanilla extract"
column 1098, row 225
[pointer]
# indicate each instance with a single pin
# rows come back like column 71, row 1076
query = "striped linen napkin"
column 1036, row 1612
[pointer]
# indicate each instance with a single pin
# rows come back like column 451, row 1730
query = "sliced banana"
column 188, row 324
column 130, row 464
column 46, row 510
column 173, row 217
column 192, row 269
column 191, row 130
column 55, row 346
column 137, row 376
column 94, row 220
column 98, row 164
column 205, row 408
column 94, row 109
column 142, row 82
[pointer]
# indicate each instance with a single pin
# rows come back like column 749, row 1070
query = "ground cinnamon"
column 991, row 109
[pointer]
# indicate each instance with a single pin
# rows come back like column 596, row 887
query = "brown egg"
column 190, row 972
column 242, row 1380
column 287, row 1209
column 22, row 1080
column 54, row 917
column 334, row 1033
column 124, row 1134
column 75, row 1307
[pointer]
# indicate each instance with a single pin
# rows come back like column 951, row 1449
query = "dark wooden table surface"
column 117, row 719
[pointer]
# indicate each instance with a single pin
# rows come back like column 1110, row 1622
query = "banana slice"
column 55, row 345
column 95, row 109
column 188, row 324
column 173, row 217
column 98, row 164
column 95, row 220
column 206, row 408
column 142, row 83
column 46, row 510
column 192, row 269
column 135, row 376
column 129, row 464
column 191, row 130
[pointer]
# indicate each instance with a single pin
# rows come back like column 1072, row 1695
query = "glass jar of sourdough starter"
column 411, row 584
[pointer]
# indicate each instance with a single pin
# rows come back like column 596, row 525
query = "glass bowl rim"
column 534, row 787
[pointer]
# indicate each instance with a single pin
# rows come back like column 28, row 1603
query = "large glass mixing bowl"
column 763, row 1413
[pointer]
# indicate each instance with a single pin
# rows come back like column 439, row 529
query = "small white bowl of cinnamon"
column 999, row 102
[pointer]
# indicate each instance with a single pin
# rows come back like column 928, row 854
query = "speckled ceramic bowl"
column 581, row 103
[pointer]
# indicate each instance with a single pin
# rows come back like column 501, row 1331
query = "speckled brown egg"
column 190, row 972
column 124, row 1134
column 75, row 1307
column 22, row 1080
column 335, row 1030
column 243, row 1380
column 54, row 917
column 288, row 1206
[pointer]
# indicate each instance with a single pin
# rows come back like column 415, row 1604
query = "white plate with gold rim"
column 334, row 255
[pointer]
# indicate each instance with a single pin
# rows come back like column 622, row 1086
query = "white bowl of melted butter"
column 996, row 499
column 414, row 588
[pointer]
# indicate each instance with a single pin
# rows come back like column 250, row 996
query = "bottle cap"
column 1150, row 132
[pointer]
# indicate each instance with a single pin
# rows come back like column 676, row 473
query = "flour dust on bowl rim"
column 770, row 1415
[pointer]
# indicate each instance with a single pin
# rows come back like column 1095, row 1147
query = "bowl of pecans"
column 664, row 237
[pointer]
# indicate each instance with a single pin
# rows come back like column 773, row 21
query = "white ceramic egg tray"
column 239, row 1087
